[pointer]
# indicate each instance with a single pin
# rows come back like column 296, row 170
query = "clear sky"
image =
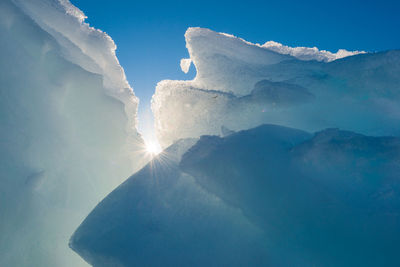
column 150, row 34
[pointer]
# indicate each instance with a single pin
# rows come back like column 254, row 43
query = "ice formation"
column 161, row 217
column 240, row 85
column 309, row 53
column 185, row 64
column 68, row 134
column 253, row 196
column 269, row 196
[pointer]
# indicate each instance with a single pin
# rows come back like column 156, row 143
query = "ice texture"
column 268, row 196
column 241, row 85
column 68, row 132
column 185, row 64
column 309, row 53
column 161, row 217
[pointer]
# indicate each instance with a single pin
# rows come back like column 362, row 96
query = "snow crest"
column 309, row 53
column 89, row 48
column 240, row 85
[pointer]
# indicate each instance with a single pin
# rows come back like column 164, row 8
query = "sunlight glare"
column 152, row 147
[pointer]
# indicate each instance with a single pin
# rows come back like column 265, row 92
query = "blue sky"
column 150, row 34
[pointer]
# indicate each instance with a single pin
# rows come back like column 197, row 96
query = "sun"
column 153, row 147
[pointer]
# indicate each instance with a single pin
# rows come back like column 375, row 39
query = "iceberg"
column 257, row 171
column 161, row 217
column 267, row 196
column 274, row 156
column 241, row 85
column 68, row 136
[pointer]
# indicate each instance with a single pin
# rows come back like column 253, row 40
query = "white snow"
column 309, row 53
column 185, row 64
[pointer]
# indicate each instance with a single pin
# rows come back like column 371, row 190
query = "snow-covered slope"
column 68, row 133
column 240, row 85
column 269, row 196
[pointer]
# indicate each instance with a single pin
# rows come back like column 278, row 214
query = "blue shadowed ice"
column 269, row 196
column 275, row 156
column 68, row 133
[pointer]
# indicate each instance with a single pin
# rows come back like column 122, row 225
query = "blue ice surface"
column 268, row 196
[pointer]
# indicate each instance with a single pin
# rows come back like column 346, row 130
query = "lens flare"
column 153, row 148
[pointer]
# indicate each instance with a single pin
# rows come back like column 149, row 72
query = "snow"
column 309, row 53
column 68, row 134
column 268, row 196
column 241, row 85
column 185, row 64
